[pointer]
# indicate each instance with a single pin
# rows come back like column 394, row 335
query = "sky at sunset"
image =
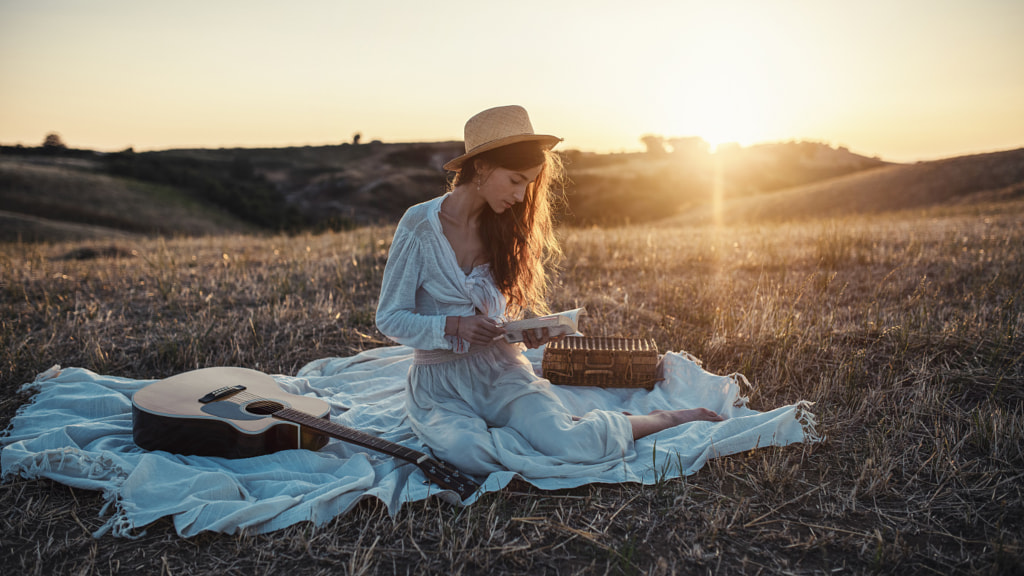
column 902, row 79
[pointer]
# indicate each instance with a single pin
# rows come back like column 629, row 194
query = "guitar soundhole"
column 263, row 407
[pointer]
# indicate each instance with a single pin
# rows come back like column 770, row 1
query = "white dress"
column 480, row 409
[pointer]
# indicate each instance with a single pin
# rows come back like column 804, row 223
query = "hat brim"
column 546, row 141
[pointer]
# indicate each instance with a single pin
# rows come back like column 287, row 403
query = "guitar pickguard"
column 233, row 411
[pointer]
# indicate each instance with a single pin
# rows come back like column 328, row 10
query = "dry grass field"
column 905, row 329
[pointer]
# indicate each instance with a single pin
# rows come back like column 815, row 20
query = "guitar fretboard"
column 350, row 435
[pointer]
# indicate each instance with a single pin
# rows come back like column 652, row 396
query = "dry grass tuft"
column 906, row 331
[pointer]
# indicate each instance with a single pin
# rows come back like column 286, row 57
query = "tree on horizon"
column 53, row 141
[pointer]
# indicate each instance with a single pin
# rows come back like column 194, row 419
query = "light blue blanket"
column 77, row 430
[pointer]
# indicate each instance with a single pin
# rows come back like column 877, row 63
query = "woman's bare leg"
column 659, row 420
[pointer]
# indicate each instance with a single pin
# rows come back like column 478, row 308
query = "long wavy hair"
column 520, row 242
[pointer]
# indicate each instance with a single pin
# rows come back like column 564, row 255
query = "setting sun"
column 723, row 89
column 724, row 117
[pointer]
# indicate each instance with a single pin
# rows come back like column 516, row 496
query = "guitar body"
column 168, row 415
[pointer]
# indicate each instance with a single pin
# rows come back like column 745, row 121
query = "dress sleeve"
column 396, row 316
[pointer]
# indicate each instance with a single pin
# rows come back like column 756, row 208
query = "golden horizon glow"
column 905, row 81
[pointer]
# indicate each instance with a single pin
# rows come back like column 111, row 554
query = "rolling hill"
column 992, row 177
column 60, row 199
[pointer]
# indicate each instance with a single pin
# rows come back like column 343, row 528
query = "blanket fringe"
column 746, row 389
column 33, row 386
column 691, row 358
column 88, row 466
column 48, row 374
column 808, row 422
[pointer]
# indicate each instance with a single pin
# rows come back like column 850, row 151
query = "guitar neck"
column 351, row 435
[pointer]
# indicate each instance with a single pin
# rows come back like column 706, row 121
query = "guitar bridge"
column 221, row 393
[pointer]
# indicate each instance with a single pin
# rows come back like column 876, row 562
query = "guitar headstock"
column 448, row 478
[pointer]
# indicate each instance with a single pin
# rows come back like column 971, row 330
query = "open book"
column 560, row 324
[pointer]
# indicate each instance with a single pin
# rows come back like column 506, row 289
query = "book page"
column 560, row 324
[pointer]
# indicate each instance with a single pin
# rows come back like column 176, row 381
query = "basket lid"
column 613, row 343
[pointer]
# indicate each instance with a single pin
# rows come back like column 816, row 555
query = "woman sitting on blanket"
column 461, row 265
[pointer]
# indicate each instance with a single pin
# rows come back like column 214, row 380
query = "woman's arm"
column 396, row 316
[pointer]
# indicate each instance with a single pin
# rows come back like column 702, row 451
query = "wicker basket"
column 604, row 362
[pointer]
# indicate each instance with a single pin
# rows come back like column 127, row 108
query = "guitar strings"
column 243, row 397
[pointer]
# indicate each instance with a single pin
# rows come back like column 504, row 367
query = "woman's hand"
column 477, row 330
column 537, row 337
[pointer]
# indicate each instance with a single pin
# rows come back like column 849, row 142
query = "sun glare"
column 727, row 124
column 726, row 87
column 720, row 112
column 717, row 112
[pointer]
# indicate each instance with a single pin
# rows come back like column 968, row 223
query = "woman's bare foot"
column 692, row 415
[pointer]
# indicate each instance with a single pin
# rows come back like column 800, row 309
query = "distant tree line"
column 53, row 145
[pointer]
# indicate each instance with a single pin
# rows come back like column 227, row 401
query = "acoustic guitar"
column 240, row 413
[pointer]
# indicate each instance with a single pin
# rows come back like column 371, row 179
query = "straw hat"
column 497, row 127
